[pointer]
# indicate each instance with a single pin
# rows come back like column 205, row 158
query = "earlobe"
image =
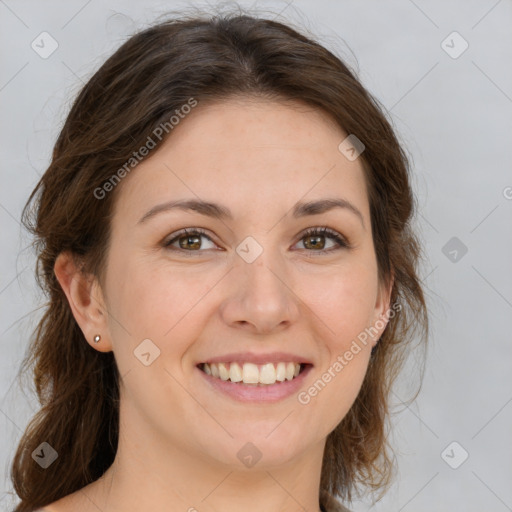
column 85, row 300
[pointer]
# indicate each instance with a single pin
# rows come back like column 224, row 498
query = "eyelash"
column 342, row 242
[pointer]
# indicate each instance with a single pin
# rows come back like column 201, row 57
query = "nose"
column 260, row 297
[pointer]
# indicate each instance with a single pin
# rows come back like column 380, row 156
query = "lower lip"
column 264, row 393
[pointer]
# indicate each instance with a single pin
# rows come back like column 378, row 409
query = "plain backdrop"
column 440, row 70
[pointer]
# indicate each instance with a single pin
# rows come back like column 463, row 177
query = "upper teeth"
column 250, row 373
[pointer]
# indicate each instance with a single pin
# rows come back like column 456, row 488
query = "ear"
column 382, row 311
column 86, row 300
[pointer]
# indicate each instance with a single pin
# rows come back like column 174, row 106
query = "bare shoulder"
column 81, row 500
column 70, row 503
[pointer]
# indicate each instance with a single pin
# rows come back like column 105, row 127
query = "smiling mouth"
column 256, row 374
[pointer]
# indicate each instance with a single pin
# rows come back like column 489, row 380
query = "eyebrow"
column 217, row 211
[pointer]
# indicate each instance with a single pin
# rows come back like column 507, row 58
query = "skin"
column 178, row 438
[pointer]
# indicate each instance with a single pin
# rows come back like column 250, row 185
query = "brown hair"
column 137, row 89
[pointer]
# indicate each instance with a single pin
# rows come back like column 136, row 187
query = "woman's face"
column 253, row 288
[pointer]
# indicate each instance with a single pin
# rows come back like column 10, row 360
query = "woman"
column 224, row 234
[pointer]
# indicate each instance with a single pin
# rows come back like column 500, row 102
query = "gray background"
column 454, row 117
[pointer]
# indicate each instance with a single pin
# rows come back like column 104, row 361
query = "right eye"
column 188, row 240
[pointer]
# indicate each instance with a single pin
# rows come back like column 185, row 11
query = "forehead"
column 250, row 154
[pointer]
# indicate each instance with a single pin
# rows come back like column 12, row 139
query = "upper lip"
column 251, row 357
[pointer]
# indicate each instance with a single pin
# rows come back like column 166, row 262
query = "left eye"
column 190, row 241
column 324, row 232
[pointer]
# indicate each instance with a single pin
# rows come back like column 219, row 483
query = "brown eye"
column 189, row 241
column 193, row 241
column 314, row 240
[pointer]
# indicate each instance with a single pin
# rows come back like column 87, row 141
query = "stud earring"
column 97, row 338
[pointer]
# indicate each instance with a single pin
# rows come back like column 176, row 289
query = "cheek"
column 343, row 305
column 152, row 302
column 344, row 300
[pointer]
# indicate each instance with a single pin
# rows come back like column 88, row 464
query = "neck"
column 146, row 477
